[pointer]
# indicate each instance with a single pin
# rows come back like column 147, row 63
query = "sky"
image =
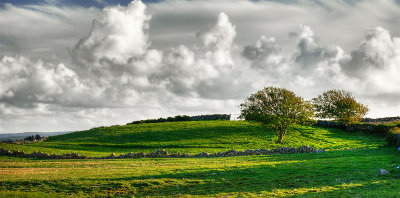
column 73, row 65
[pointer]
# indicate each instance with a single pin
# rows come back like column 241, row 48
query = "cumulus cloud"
column 310, row 52
column 204, row 71
column 218, row 39
column 376, row 63
column 265, row 55
column 370, row 71
column 378, row 51
column 118, row 36
column 124, row 70
column 26, row 83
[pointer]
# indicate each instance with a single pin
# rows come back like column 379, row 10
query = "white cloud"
column 125, row 70
column 118, row 36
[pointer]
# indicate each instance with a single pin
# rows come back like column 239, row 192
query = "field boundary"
column 162, row 154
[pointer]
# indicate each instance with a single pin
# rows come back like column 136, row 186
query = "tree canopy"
column 339, row 105
column 276, row 107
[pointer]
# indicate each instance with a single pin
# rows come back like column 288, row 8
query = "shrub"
column 391, row 136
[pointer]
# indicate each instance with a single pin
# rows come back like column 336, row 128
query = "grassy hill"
column 194, row 137
column 342, row 171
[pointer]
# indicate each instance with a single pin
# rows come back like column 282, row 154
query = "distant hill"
column 16, row 136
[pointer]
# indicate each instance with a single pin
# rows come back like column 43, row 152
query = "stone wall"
column 381, row 120
column 161, row 154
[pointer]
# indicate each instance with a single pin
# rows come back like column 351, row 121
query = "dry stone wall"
column 162, row 154
column 381, row 120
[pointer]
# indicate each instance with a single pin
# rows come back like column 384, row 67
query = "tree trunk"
column 280, row 138
column 281, row 134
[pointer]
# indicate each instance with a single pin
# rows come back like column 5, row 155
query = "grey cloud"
column 378, row 51
column 208, row 71
column 224, row 87
column 43, row 31
column 265, row 55
column 124, row 67
column 391, row 99
column 311, row 52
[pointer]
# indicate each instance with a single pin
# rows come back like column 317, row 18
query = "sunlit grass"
column 348, row 173
column 193, row 138
column 343, row 171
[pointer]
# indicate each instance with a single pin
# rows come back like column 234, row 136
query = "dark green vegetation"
column 342, row 171
column 181, row 118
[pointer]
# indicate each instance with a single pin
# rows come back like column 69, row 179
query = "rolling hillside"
column 343, row 170
column 194, row 137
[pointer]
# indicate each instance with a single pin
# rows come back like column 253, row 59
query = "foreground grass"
column 193, row 138
column 345, row 173
column 348, row 169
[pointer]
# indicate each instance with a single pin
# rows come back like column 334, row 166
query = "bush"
column 391, row 136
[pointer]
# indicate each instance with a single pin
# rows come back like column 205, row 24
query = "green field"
column 194, row 137
column 349, row 167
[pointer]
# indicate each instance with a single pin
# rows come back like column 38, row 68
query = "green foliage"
column 193, row 137
column 339, row 105
column 392, row 135
column 276, row 107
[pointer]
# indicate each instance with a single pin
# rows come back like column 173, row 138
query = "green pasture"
column 349, row 167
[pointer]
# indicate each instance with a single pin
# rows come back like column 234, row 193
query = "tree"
column 276, row 107
column 339, row 105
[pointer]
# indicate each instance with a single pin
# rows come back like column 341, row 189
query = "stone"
column 382, row 172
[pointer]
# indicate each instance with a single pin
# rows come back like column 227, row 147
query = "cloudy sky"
column 72, row 65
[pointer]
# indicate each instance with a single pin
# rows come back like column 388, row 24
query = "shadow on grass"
column 331, row 174
column 335, row 174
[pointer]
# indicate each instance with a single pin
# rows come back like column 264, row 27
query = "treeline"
column 180, row 118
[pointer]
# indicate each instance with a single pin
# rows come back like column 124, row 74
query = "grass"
column 193, row 138
column 342, row 171
column 348, row 173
